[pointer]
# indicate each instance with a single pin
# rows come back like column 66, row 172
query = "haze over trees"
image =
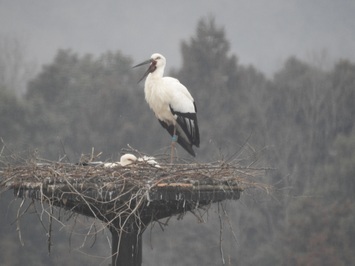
column 301, row 122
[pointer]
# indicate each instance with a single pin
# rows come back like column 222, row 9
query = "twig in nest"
column 50, row 222
column 18, row 229
column 221, row 236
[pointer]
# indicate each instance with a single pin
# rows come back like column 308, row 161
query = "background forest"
column 300, row 122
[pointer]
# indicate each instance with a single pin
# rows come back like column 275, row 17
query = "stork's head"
column 156, row 61
column 127, row 159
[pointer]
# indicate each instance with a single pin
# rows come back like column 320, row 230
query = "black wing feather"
column 188, row 123
column 185, row 144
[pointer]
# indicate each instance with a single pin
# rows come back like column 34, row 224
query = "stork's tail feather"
column 187, row 146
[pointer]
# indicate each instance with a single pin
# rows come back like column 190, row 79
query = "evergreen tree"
column 221, row 88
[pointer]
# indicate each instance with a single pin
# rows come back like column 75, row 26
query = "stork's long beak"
column 143, row 63
column 149, row 61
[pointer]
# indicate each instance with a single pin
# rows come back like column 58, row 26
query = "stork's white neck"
column 158, row 73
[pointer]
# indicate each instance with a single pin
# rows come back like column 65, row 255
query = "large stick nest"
column 123, row 197
column 138, row 190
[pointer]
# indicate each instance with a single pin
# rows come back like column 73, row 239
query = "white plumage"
column 172, row 104
column 125, row 160
column 128, row 159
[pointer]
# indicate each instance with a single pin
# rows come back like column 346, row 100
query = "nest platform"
column 127, row 198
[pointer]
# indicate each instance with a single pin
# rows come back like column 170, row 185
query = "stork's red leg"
column 173, row 141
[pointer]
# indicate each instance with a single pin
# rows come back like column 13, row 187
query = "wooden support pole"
column 126, row 245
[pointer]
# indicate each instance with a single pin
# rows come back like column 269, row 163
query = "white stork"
column 172, row 104
column 125, row 160
column 128, row 159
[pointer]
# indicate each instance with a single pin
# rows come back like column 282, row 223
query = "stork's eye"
column 158, row 57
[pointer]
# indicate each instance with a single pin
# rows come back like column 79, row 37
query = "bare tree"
column 15, row 67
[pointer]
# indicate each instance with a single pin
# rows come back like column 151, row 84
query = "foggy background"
column 280, row 74
column 262, row 33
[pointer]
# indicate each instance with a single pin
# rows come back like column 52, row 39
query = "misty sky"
column 262, row 32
